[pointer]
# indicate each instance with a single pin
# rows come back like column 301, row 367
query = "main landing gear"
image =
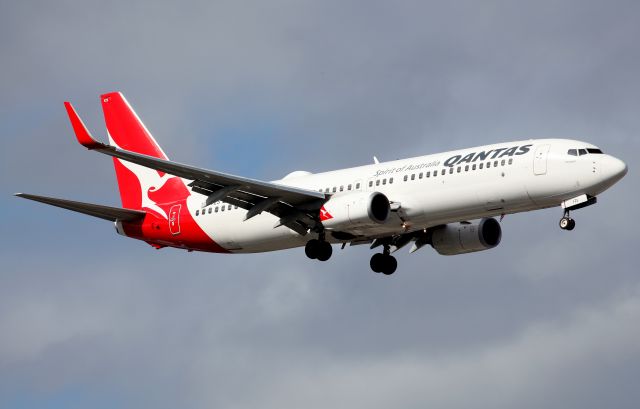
column 318, row 249
column 567, row 223
column 384, row 262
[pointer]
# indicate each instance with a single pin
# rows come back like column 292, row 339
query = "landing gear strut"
column 318, row 249
column 384, row 262
column 567, row 223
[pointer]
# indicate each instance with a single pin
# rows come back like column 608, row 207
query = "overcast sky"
column 91, row 319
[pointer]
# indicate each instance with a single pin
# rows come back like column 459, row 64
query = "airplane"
column 448, row 200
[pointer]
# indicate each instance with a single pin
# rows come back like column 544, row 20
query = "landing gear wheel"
column 318, row 249
column 383, row 263
column 572, row 225
column 567, row 223
column 376, row 263
column 324, row 251
column 311, row 248
column 390, row 265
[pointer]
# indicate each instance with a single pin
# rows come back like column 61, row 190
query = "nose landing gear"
column 384, row 262
column 567, row 223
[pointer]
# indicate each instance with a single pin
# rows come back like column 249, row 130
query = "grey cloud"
column 545, row 319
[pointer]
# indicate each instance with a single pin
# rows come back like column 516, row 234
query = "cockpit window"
column 582, row 152
column 573, row 152
column 593, row 150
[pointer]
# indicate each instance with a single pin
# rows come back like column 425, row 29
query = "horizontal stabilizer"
column 103, row 212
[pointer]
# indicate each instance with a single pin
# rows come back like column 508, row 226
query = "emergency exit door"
column 540, row 159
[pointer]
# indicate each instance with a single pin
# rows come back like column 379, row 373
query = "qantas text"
column 490, row 154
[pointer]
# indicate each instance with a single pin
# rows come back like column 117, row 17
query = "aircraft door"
column 540, row 159
column 174, row 219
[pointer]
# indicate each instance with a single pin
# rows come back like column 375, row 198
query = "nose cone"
column 615, row 169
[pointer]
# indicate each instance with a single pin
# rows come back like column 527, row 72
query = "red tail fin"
column 125, row 127
column 140, row 187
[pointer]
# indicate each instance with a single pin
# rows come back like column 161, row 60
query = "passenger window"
column 503, row 162
column 210, row 210
column 466, row 168
column 197, row 212
column 341, row 188
column 488, row 165
column 384, row 181
column 333, row 189
column 371, row 183
column 495, row 164
column 216, row 209
column 480, row 166
column 435, row 173
column 406, row 177
column 582, row 152
column 357, row 185
column 459, row 169
column 390, row 180
column 428, row 174
column 420, row 175
column 511, row 161
column 378, row 182
column 349, row 187
column 413, row 176
column 573, row 152
column 473, row 167
column 451, row 170
column 222, row 208
column 229, row 207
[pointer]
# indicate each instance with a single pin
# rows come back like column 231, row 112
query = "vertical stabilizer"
column 140, row 187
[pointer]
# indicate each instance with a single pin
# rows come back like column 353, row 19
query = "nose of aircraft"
column 615, row 169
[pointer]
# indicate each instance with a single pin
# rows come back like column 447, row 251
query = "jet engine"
column 466, row 237
column 355, row 210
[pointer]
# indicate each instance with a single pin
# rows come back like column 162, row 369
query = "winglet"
column 82, row 133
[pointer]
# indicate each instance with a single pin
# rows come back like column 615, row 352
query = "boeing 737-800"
column 447, row 200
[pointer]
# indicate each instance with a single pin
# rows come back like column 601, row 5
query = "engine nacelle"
column 460, row 238
column 355, row 210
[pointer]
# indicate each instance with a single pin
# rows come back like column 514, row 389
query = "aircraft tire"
column 324, row 251
column 390, row 265
column 377, row 262
column 311, row 248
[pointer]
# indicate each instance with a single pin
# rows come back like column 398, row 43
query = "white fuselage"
column 431, row 190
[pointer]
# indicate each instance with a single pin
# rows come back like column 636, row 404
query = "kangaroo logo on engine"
column 324, row 214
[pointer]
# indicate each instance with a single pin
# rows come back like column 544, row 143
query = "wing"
column 103, row 212
column 296, row 208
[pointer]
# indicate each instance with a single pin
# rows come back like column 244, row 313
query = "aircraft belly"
column 558, row 184
column 254, row 235
column 448, row 202
column 502, row 194
column 465, row 203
